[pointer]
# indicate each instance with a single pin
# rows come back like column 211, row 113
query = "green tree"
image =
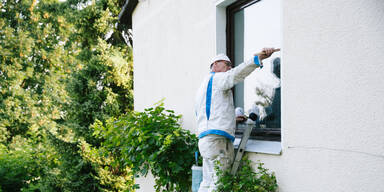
column 58, row 75
column 102, row 87
column 34, row 67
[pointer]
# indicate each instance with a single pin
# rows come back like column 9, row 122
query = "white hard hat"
column 220, row 57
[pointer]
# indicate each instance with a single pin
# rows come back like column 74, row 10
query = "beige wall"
column 332, row 84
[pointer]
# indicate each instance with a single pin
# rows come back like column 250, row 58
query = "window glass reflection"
column 255, row 27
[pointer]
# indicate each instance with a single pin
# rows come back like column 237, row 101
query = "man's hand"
column 266, row 52
column 240, row 119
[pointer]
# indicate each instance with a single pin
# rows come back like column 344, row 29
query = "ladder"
column 240, row 151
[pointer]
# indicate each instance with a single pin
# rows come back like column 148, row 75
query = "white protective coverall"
column 216, row 122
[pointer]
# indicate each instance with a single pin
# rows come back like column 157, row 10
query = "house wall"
column 332, row 94
column 332, row 90
column 173, row 40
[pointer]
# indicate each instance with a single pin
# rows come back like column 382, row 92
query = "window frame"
column 231, row 10
column 259, row 133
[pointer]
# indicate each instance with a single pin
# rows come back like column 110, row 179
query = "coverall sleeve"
column 230, row 78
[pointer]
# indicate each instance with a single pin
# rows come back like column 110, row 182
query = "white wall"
column 173, row 40
column 332, row 74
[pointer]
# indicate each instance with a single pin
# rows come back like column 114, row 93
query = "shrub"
column 151, row 140
column 246, row 179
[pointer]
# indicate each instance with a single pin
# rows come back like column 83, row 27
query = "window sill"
column 258, row 146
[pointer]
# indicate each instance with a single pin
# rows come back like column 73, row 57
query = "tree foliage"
column 58, row 74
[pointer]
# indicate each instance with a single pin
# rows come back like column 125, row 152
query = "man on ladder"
column 215, row 113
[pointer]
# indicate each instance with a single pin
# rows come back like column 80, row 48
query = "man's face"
column 221, row 66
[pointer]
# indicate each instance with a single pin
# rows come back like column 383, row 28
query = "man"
column 215, row 113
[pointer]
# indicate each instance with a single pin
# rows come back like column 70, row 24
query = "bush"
column 151, row 140
column 246, row 179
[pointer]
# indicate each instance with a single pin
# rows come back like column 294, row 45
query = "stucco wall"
column 332, row 90
column 332, row 104
column 173, row 40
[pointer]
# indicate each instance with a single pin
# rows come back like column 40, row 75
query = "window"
column 252, row 25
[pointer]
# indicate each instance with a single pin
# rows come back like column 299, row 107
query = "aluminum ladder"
column 241, row 149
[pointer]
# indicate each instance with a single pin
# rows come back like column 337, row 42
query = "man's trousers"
column 214, row 148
